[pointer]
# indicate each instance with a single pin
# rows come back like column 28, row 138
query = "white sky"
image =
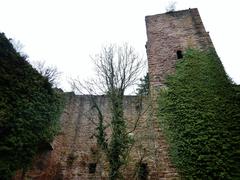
column 65, row 33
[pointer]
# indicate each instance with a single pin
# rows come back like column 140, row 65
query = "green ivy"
column 199, row 111
column 29, row 110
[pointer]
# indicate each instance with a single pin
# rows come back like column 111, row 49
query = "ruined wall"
column 168, row 33
column 75, row 148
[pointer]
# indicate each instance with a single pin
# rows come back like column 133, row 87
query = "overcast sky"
column 65, row 33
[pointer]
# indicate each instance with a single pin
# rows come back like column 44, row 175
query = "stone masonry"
column 169, row 34
column 74, row 155
column 75, row 150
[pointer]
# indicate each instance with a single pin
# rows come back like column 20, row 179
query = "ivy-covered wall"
column 29, row 110
column 199, row 112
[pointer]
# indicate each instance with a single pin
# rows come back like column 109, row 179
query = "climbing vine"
column 199, row 112
column 117, row 69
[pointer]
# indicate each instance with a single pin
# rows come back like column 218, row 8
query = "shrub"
column 29, row 110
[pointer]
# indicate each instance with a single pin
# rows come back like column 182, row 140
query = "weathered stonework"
column 75, row 149
column 168, row 33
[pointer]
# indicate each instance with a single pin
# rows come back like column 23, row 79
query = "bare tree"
column 50, row 72
column 117, row 68
column 171, row 6
column 18, row 46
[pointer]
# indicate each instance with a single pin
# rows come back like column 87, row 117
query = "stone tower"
column 168, row 35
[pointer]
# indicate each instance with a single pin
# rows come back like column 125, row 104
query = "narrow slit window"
column 92, row 168
column 179, row 54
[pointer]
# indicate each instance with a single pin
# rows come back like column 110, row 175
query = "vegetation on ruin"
column 199, row 111
column 118, row 68
column 71, row 158
column 29, row 110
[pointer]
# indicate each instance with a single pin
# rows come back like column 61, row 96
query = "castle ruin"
column 73, row 155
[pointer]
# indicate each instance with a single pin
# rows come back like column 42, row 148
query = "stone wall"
column 75, row 148
column 168, row 33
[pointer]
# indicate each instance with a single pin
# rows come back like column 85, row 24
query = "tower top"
column 170, row 34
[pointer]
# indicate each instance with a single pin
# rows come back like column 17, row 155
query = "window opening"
column 92, row 168
column 143, row 171
column 179, row 54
